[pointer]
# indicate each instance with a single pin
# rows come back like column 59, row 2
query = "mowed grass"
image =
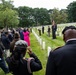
column 49, row 42
column 42, row 55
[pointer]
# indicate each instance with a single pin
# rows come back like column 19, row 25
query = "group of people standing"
column 61, row 61
column 14, row 53
column 53, row 29
column 7, row 37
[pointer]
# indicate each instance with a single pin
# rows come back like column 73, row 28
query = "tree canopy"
column 8, row 16
column 71, row 8
column 24, row 16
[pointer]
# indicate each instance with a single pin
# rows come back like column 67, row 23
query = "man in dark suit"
column 54, row 28
column 6, row 43
column 62, row 61
column 49, row 31
column 3, row 65
column 43, row 29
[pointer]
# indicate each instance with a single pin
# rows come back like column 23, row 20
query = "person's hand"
column 29, row 50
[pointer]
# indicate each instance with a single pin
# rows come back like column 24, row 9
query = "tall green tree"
column 7, row 4
column 41, row 16
column 55, row 15
column 36, row 16
column 44, row 17
column 59, row 16
column 25, row 16
column 64, row 16
column 8, row 16
column 71, row 8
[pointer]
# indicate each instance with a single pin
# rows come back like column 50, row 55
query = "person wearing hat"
column 18, row 65
column 62, row 61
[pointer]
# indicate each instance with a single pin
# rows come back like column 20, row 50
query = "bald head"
column 69, row 33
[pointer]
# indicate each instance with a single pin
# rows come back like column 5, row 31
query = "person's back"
column 43, row 29
column 2, row 61
column 48, row 28
column 18, row 65
column 10, row 35
column 5, row 40
column 27, row 37
column 48, row 31
column 20, row 69
column 62, row 61
column 16, row 38
column 54, row 29
column 21, row 34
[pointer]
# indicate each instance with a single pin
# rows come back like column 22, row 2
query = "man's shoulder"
column 58, row 51
column 58, row 48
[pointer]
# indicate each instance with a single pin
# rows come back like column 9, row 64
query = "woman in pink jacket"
column 26, row 36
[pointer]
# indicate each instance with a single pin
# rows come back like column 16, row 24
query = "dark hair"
column 16, row 35
column 17, row 57
column 68, row 27
column 6, row 32
column 18, row 53
column 24, row 30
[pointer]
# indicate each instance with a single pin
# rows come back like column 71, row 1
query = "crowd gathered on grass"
column 15, row 39
column 9, row 38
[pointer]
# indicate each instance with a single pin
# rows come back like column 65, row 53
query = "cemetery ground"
column 49, row 42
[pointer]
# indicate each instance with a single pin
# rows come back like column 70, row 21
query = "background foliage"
column 24, row 16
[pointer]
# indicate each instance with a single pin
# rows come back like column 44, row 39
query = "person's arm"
column 35, row 63
column 50, row 67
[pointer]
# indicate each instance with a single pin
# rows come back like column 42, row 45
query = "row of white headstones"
column 42, row 43
column 59, row 29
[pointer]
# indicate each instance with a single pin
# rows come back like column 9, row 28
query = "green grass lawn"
column 40, row 53
column 53, row 43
